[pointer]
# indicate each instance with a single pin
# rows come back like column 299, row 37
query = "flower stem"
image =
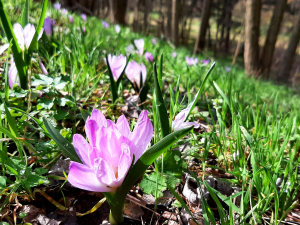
column 116, row 214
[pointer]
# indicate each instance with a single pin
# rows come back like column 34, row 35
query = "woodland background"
column 261, row 35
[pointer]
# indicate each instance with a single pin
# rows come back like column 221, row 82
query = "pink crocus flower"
column 105, row 24
column 140, row 43
column 48, row 24
column 133, row 72
column 83, row 29
column 154, row 41
column 25, row 36
column 191, row 61
column 83, row 16
column 179, row 121
column 149, row 56
column 205, row 61
column 108, row 155
column 71, row 19
column 57, row 6
column 117, row 65
column 117, row 28
column 174, row 54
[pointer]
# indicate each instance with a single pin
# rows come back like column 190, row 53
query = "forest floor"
column 239, row 166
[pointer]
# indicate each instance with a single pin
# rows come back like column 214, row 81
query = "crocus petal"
column 91, row 128
column 18, row 30
column 3, row 48
column 43, row 68
column 48, row 26
column 149, row 56
column 144, row 72
column 13, row 77
column 140, row 43
column 105, row 172
column 142, row 134
column 117, row 28
column 110, row 148
column 83, row 177
column 123, row 126
column 29, row 32
column 83, row 149
column 117, row 65
column 124, row 163
column 99, row 118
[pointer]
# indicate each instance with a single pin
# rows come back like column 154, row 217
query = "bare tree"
column 269, row 47
column 146, row 14
column 288, row 57
column 252, row 22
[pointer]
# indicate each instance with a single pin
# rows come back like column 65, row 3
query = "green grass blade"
column 6, row 87
column 161, row 112
column 25, row 14
column 64, row 144
column 33, row 46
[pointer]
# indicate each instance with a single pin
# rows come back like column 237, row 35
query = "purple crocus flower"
column 83, row 29
column 174, row 54
column 48, row 24
column 71, row 19
column 108, row 155
column 179, row 121
column 191, row 61
column 205, row 61
column 149, row 56
column 228, row 68
column 57, row 6
column 83, row 16
column 140, row 43
column 133, row 72
column 105, row 24
column 117, row 28
column 117, row 65
column 43, row 68
column 154, row 41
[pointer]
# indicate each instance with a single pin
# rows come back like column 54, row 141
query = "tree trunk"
column 252, row 21
column 175, row 21
column 204, row 23
column 169, row 20
column 146, row 14
column 288, row 58
column 136, row 16
column 269, row 47
column 118, row 11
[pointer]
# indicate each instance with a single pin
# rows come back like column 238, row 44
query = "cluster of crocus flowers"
column 117, row 65
column 149, row 56
column 109, row 153
column 24, row 38
column 191, row 61
column 48, row 25
column 134, row 71
column 139, row 44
